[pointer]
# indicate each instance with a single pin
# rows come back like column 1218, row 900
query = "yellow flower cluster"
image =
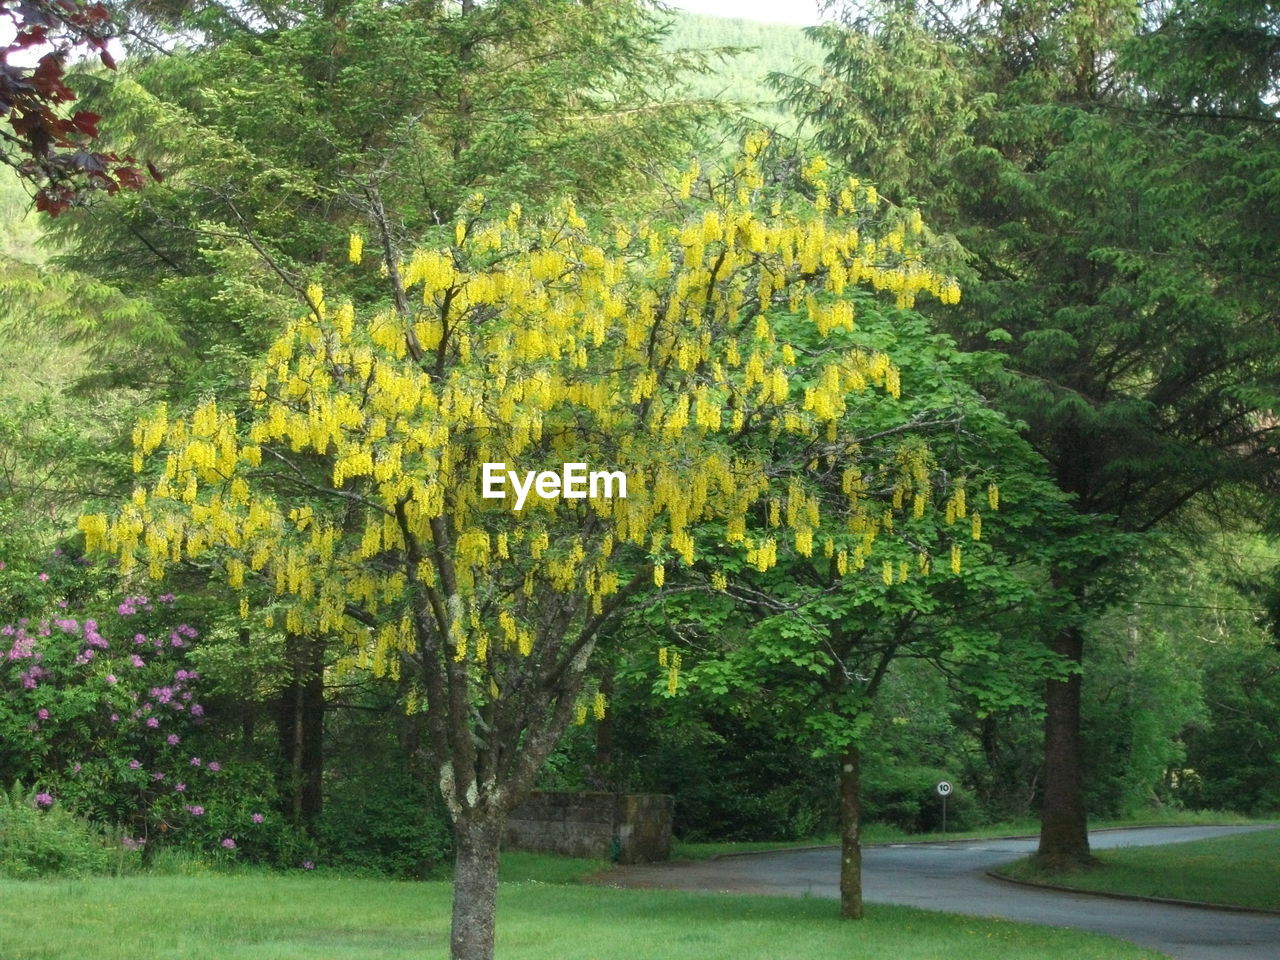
column 654, row 351
column 669, row 660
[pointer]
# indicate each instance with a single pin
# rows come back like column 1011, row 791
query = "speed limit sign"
column 944, row 788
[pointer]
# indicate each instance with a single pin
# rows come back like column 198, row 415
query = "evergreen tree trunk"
column 249, row 710
column 851, row 833
column 1064, row 828
column 311, row 729
column 300, row 721
column 478, row 834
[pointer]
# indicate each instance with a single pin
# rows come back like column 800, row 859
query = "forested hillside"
column 739, row 77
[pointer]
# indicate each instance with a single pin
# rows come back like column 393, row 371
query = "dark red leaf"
column 86, row 122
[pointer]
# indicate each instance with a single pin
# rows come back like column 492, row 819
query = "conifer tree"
column 1137, row 313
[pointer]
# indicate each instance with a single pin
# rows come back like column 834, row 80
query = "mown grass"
column 516, row 867
column 1243, row 870
column 882, row 833
column 260, row 916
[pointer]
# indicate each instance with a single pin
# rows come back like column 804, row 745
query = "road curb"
column 761, row 853
column 1036, row 836
column 1137, row 898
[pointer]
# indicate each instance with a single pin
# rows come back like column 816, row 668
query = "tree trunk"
column 248, row 710
column 300, row 720
column 851, row 834
column 1064, row 828
column 475, row 885
column 312, row 746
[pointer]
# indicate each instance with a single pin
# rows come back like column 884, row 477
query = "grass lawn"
column 1242, row 870
column 260, row 916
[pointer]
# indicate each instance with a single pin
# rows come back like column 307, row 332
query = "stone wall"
column 626, row 827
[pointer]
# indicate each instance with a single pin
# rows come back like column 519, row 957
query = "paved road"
column 952, row 877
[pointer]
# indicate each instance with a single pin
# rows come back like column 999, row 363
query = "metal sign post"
column 944, row 791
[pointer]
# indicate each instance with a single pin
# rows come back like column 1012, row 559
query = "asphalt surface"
column 952, row 877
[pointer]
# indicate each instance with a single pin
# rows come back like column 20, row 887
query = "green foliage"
column 278, row 144
column 1180, row 686
column 50, row 457
column 884, row 95
column 380, row 816
column 40, row 841
column 746, row 785
column 1143, row 691
column 1112, row 273
column 818, row 642
column 904, row 795
column 733, row 771
column 56, row 445
column 1233, row 760
column 1215, row 61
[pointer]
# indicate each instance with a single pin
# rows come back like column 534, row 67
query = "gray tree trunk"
column 478, row 835
column 851, row 833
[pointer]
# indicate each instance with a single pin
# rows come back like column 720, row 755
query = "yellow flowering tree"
column 347, row 499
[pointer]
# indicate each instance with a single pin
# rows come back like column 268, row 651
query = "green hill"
column 763, row 48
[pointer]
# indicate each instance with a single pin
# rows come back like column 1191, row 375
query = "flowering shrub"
column 102, row 714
